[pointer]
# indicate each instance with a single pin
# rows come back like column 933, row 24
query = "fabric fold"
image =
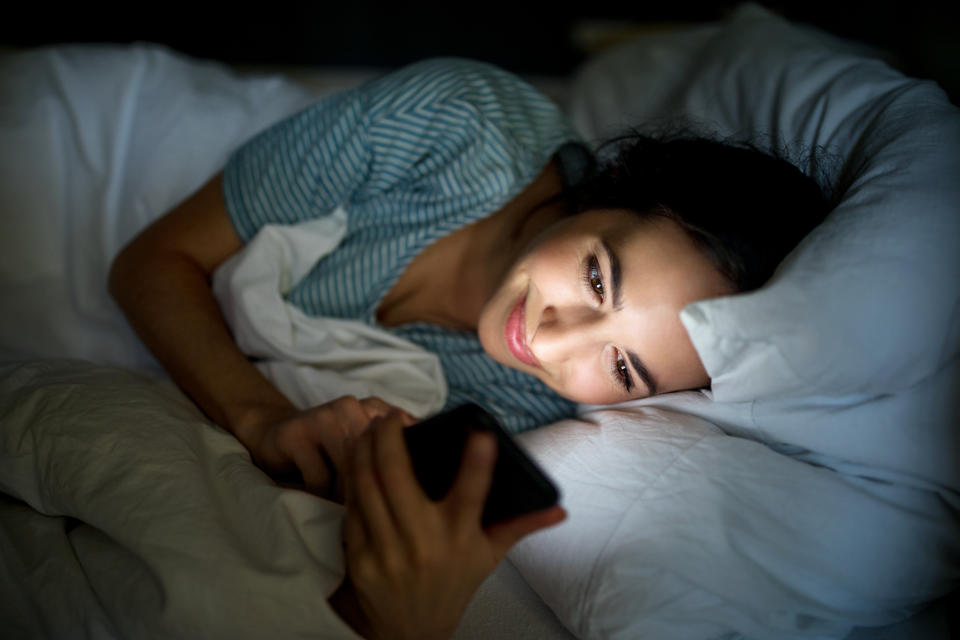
column 316, row 359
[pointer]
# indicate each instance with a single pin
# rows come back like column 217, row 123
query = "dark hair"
column 746, row 209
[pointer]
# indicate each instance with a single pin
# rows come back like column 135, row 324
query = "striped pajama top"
column 412, row 156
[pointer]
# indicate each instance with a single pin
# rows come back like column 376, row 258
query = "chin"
column 487, row 337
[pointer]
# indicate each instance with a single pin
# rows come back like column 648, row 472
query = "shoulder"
column 446, row 81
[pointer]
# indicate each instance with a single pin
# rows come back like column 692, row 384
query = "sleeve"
column 300, row 168
column 444, row 128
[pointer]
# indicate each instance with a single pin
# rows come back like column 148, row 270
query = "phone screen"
column 436, row 447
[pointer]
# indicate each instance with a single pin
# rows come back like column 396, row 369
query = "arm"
column 161, row 280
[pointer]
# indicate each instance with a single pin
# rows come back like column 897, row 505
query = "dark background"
column 921, row 37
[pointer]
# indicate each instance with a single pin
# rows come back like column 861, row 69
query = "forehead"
column 658, row 258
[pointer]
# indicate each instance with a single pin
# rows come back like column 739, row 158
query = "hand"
column 311, row 441
column 413, row 564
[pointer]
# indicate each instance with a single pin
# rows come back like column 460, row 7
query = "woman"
column 461, row 184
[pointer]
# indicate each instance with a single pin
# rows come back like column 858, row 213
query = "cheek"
column 491, row 322
column 589, row 383
column 554, row 272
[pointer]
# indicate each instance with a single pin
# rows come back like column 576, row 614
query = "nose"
column 565, row 332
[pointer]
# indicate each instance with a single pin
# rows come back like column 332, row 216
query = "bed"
column 812, row 492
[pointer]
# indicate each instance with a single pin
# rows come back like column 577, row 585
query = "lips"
column 515, row 333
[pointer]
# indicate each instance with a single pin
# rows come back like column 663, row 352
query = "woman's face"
column 592, row 308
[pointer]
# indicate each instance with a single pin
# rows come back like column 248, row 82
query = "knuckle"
column 351, row 411
column 375, row 404
column 347, row 402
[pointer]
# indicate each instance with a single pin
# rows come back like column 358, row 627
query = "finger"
column 368, row 494
column 348, row 473
column 354, row 531
column 314, row 469
column 404, row 496
column 469, row 491
column 375, row 407
column 328, row 426
column 352, row 416
column 503, row 535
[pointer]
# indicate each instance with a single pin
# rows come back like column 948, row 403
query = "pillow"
column 852, row 350
column 676, row 530
column 93, row 141
column 870, row 301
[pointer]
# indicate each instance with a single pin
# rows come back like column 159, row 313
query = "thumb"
column 503, row 535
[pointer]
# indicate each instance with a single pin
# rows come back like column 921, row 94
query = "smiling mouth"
column 515, row 332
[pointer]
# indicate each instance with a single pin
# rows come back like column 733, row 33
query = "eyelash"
column 594, row 284
column 591, row 277
column 622, row 373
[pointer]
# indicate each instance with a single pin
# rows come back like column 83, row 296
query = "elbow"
column 115, row 276
column 130, row 269
column 119, row 275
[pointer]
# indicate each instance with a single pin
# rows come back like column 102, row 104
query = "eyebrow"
column 643, row 372
column 616, row 274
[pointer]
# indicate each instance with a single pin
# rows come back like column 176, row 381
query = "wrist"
column 250, row 423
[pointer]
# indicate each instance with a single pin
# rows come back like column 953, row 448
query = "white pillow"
column 870, row 302
column 677, row 530
column 852, row 351
column 96, row 142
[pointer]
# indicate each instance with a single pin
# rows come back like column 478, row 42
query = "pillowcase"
column 676, row 530
column 870, row 301
column 97, row 141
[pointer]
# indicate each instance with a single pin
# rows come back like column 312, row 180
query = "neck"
column 452, row 280
column 498, row 241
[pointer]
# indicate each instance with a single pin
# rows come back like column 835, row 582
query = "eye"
column 592, row 278
column 622, row 373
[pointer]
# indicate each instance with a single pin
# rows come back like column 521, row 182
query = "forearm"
column 168, row 301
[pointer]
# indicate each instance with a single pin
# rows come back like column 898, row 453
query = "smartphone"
column 436, row 447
